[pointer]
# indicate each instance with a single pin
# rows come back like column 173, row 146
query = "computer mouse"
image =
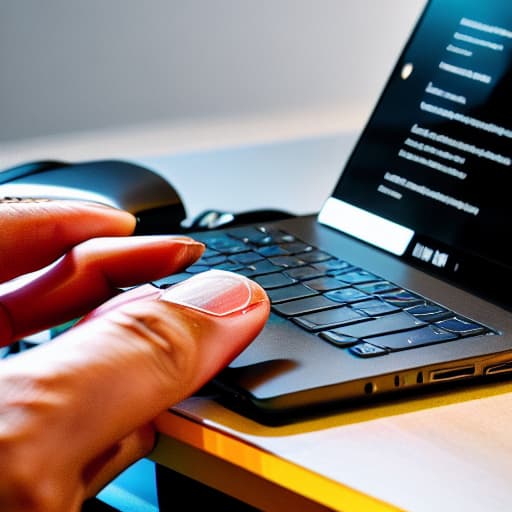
column 121, row 184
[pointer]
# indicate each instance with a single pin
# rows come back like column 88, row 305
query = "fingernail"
column 215, row 292
column 182, row 239
column 186, row 239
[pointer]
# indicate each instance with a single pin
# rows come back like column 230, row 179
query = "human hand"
column 78, row 410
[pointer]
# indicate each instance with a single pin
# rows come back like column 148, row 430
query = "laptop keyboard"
column 341, row 303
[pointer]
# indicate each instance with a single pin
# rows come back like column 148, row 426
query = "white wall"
column 70, row 65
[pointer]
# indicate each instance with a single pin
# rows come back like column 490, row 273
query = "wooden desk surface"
column 444, row 451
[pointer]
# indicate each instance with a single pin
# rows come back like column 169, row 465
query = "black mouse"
column 121, row 184
column 156, row 204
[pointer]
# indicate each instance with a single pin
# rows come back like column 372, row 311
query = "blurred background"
column 146, row 71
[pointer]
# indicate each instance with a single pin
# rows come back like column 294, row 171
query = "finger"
column 36, row 232
column 89, row 274
column 99, row 382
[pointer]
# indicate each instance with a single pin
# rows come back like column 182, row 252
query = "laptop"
column 402, row 281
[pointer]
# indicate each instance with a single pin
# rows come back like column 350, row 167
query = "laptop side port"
column 447, row 374
column 499, row 368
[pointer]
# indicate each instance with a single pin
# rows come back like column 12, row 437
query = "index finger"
column 36, row 232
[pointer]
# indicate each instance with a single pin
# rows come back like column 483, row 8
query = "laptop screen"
column 430, row 178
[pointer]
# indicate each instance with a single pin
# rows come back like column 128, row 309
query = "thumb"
column 196, row 327
column 154, row 348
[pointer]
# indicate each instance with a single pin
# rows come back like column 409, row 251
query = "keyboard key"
column 209, row 253
column 275, row 280
column 197, row 268
column 314, row 256
column 427, row 335
column 324, row 284
column 303, row 306
column 213, row 260
column 287, row 261
column 302, row 273
column 367, row 350
column 272, row 250
column 295, row 291
column 259, row 268
column 377, row 287
column 461, row 326
column 246, row 258
column 429, row 312
column 229, row 266
column 325, row 320
column 279, row 237
column 333, row 266
column 251, row 234
column 346, row 295
column 225, row 244
column 297, row 247
column 402, row 298
column 375, row 307
column 340, row 340
column 357, row 276
column 378, row 326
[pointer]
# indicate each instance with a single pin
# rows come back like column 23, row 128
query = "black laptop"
column 403, row 280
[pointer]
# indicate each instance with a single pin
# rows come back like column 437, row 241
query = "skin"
column 78, row 410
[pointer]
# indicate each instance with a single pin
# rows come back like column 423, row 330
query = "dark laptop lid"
column 430, row 177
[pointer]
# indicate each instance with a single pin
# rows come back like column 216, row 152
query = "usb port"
column 452, row 373
column 499, row 368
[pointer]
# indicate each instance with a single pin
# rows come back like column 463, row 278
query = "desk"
column 448, row 450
